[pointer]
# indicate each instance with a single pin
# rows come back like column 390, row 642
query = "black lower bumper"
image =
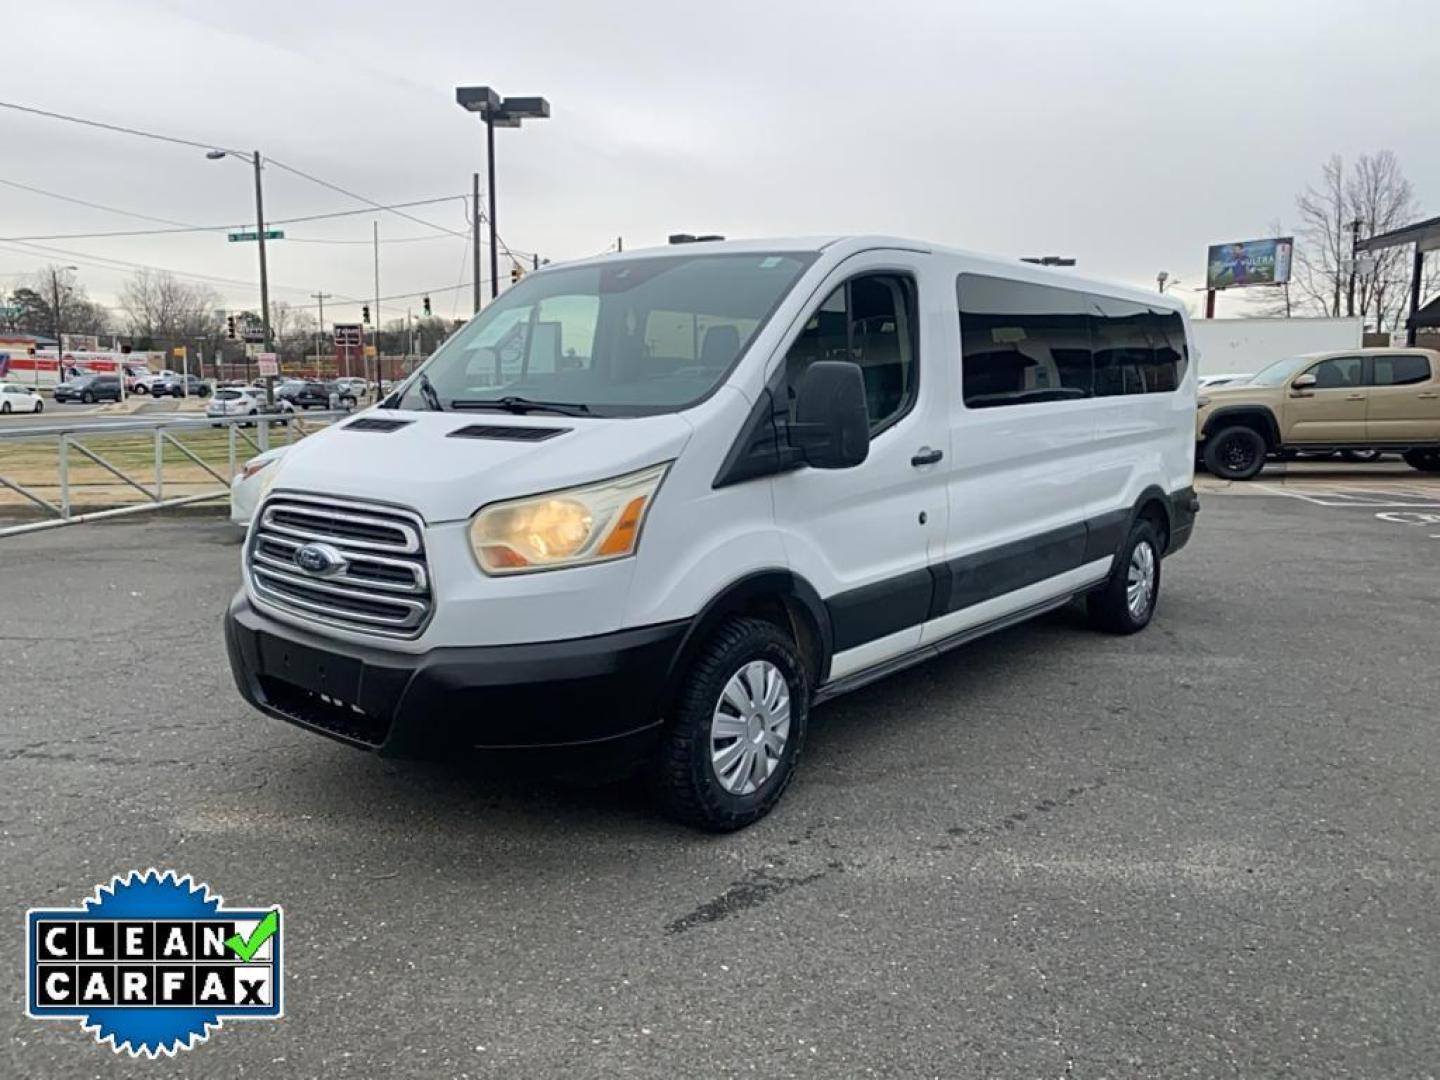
column 603, row 689
column 1184, row 505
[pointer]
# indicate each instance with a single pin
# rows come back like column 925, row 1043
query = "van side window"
column 1399, row 370
column 869, row 321
column 1021, row 343
column 1138, row 350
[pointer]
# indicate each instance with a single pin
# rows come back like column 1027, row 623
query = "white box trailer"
column 1244, row 346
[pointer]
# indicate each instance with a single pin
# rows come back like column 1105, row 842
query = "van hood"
column 420, row 460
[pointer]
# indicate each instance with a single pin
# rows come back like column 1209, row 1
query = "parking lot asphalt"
column 1206, row 850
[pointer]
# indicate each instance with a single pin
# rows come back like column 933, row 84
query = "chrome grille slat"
column 383, row 585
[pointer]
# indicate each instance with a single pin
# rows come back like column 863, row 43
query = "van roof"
column 842, row 246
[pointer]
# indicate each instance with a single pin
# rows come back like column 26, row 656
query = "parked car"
column 308, row 394
column 245, row 401
column 351, row 385
column 803, row 466
column 251, row 484
column 15, row 398
column 89, row 389
column 180, row 386
column 1363, row 402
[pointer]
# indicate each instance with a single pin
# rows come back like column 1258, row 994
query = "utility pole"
column 377, row 309
column 264, row 279
column 619, row 243
column 320, row 298
column 1354, row 254
column 475, row 234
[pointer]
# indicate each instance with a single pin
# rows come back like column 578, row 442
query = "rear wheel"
column 1424, row 460
column 4, row 406
column 1235, row 453
column 39, row 405
column 736, row 729
column 1126, row 602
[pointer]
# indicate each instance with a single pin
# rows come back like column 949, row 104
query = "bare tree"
column 1371, row 197
column 53, row 302
column 162, row 310
column 292, row 329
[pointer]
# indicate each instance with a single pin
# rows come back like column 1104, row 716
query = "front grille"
column 378, row 581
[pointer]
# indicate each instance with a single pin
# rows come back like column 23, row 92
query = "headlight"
column 255, row 465
column 588, row 524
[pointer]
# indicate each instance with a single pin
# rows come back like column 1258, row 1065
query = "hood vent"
column 507, row 432
column 374, row 423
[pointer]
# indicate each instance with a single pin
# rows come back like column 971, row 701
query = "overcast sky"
column 1129, row 135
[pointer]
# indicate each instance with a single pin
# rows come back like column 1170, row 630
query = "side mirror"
column 1303, row 382
column 831, row 427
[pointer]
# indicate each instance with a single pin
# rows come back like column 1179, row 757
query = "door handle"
column 926, row 456
column 1354, row 397
column 1427, row 397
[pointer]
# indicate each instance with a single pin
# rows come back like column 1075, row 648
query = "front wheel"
column 1126, row 602
column 1235, row 453
column 39, row 406
column 87, row 398
column 4, row 406
column 736, row 728
column 1424, row 460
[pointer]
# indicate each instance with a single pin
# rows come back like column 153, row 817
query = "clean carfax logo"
column 152, row 962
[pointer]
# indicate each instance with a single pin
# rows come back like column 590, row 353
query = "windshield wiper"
column 427, row 391
column 523, row 405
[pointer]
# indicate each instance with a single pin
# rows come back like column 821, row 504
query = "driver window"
column 868, row 321
column 1337, row 373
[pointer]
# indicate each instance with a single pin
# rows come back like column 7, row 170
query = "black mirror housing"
column 832, row 426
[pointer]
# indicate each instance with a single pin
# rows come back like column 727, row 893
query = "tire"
column 4, row 407
column 742, row 653
column 1424, row 460
column 87, row 398
column 1362, row 455
column 140, row 388
column 39, row 406
column 1126, row 602
column 1235, row 453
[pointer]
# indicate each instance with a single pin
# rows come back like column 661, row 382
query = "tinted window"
column 1338, row 372
column 1400, row 370
column 1138, row 350
column 1021, row 343
column 869, row 321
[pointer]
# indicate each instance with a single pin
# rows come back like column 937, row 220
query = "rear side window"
column 1022, row 343
column 1400, row 370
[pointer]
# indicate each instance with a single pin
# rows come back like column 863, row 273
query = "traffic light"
column 230, row 327
column 516, row 273
column 365, row 314
column 426, row 305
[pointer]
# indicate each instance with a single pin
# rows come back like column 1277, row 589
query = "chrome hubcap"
column 1140, row 579
column 750, row 727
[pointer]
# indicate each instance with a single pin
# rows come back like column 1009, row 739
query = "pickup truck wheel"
column 1235, row 453
column 736, row 728
column 1126, row 602
column 1424, row 460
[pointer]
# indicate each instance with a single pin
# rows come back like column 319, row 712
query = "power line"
column 121, row 129
column 185, row 227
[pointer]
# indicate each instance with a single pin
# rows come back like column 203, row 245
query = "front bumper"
column 581, row 692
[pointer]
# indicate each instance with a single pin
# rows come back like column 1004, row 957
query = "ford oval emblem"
column 318, row 559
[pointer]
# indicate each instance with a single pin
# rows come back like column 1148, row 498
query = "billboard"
column 1249, row 262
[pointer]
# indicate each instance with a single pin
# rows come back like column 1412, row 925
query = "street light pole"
column 490, row 168
column 475, row 235
column 264, row 279
column 497, row 112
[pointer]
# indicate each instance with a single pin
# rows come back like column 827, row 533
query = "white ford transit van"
column 670, row 500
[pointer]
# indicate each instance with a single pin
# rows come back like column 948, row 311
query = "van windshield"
column 625, row 337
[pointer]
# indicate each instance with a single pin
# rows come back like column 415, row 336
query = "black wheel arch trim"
column 784, row 585
column 1213, row 422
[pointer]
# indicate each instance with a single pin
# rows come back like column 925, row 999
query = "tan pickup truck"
column 1360, row 401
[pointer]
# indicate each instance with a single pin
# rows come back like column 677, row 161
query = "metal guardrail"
column 70, row 444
